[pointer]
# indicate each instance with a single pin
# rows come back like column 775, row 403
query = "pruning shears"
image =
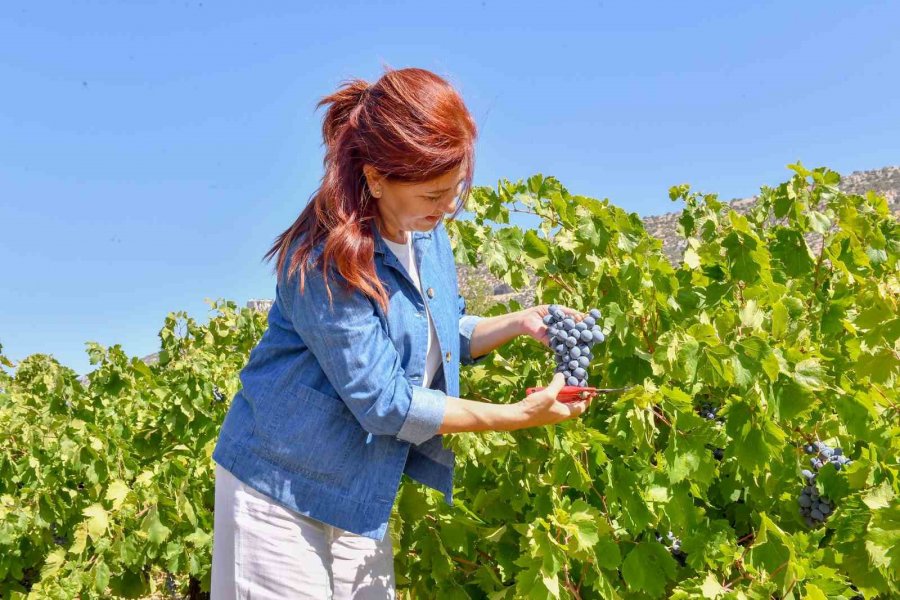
column 574, row 393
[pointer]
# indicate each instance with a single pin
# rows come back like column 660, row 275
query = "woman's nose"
column 451, row 208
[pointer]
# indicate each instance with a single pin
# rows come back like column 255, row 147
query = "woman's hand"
column 542, row 408
column 532, row 321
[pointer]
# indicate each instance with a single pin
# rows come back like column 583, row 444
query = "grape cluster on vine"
column 824, row 453
column 673, row 544
column 171, row 585
column 710, row 412
column 815, row 508
column 59, row 540
column 572, row 341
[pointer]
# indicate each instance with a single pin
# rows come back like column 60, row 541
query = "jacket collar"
column 421, row 241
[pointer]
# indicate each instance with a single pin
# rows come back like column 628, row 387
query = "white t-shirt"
column 404, row 253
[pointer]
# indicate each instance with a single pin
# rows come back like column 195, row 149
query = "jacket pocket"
column 308, row 432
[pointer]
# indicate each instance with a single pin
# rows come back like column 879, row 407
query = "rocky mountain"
column 480, row 283
column 884, row 181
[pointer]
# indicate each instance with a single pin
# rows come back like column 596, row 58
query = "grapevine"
column 780, row 321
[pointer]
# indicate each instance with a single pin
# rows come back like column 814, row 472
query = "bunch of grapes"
column 674, row 546
column 571, row 342
column 171, row 585
column 824, row 453
column 815, row 508
column 59, row 540
column 710, row 412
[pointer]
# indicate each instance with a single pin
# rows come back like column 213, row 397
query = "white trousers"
column 265, row 551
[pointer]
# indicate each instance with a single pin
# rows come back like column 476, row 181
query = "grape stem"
column 555, row 222
column 880, row 393
column 562, row 283
column 650, row 347
column 661, row 417
column 816, row 277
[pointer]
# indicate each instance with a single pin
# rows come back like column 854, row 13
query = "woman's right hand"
column 542, row 407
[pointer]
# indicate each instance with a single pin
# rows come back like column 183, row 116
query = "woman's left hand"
column 532, row 321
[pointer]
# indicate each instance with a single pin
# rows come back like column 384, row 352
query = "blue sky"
column 151, row 151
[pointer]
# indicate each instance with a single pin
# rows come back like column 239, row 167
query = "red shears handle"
column 574, row 393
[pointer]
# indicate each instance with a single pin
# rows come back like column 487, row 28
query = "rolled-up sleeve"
column 467, row 325
column 351, row 344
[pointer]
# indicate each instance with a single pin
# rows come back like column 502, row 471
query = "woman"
column 357, row 376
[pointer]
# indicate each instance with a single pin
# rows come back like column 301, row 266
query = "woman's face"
column 420, row 206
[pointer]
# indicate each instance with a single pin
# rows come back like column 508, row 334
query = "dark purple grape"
column 572, row 381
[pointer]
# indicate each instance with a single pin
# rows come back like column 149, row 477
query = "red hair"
column 410, row 125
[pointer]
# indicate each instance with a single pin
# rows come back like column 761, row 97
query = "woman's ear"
column 373, row 179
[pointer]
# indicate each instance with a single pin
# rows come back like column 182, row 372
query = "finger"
column 556, row 384
column 572, row 312
column 574, row 409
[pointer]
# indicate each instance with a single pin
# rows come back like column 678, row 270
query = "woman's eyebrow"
column 445, row 189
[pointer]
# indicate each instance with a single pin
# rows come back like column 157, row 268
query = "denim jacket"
column 331, row 410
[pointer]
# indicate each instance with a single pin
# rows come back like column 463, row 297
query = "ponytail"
column 411, row 125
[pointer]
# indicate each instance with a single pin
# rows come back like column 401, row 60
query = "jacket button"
column 430, row 292
column 447, row 356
